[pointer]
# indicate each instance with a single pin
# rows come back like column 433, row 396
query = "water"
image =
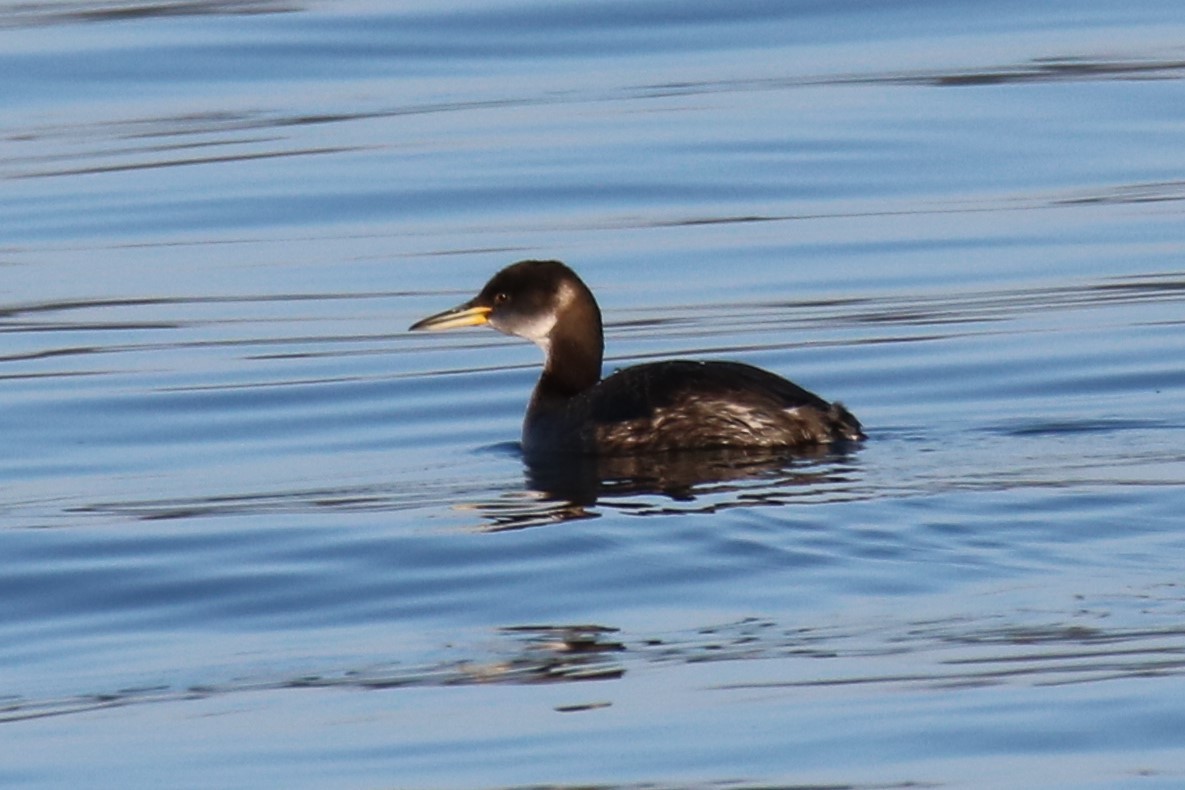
column 256, row 534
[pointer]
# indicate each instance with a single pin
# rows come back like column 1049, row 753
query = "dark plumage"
column 656, row 407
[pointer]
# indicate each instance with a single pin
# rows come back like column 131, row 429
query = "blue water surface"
column 254, row 533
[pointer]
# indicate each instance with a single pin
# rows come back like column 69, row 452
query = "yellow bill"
column 467, row 314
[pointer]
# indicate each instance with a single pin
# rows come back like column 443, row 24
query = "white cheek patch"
column 538, row 331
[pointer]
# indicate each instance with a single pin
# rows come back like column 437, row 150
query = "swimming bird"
column 656, row 407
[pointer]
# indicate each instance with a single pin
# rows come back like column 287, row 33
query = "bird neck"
column 574, row 358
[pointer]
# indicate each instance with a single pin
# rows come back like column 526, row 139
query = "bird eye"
column 500, row 298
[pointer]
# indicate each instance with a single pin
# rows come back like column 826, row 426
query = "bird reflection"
column 582, row 487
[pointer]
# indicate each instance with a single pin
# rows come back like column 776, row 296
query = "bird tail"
column 844, row 424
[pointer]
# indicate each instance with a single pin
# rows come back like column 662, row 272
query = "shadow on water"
column 579, row 488
column 73, row 11
column 995, row 649
column 293, row 501
column 688, row 482
column 1069, row 68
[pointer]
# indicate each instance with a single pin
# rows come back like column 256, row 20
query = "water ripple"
column 27, row 14
column 957, row 653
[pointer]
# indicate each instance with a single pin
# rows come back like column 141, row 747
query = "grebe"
column 655, row 407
